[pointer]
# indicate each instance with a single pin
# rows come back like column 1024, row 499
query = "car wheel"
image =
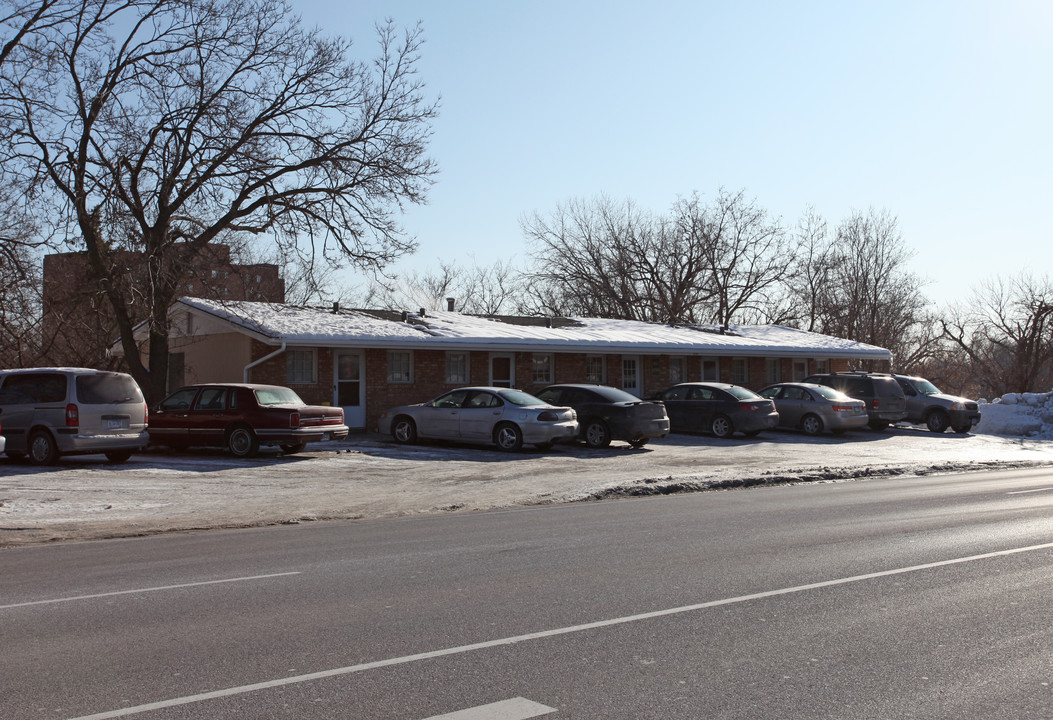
column 242, row 442
column 638, row 443
column 597, row 435
column 937, row 421
column 508, row 437
column 812, row 424
column 878, row 424
column 404, row 430
column 118, row 456
column 294, row 448
column 722, row 427
column 42, row 448
column 962, row 429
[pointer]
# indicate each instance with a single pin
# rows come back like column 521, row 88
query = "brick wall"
column 429, row 374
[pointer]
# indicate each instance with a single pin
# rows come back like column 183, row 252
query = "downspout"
column 265, row 358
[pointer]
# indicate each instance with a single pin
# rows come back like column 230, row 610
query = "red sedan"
column 241, row 417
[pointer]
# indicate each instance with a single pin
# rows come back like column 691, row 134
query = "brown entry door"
column 502, row 371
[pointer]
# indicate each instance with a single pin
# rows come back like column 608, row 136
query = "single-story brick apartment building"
column 369, row 360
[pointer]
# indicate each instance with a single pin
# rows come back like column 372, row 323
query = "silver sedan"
column 501, row 416
column 814, row 408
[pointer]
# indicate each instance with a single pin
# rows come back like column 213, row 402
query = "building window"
column 822, row 366
column 400, row 366
column 595, row 369
column 740, row 371
column 800, row 370
column 301, row 367
column 457, row 368
column 773, row 370
column 542, row 367
column 677, row 370
column 710, row 370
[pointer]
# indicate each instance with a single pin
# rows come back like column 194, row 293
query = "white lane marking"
column 540, row 635
column 146, row 590
column 514, row 709
column 1024, row 492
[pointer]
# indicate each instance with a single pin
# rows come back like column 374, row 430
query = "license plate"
column 326, row 437
column 116, row 424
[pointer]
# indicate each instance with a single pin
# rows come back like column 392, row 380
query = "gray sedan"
column 501, row 416
column 814, row 408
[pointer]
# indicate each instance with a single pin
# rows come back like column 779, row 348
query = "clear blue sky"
column 939, row 111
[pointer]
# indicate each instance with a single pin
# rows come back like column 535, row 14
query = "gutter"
column 265, row 358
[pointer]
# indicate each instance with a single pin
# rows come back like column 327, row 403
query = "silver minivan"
column 50, row 412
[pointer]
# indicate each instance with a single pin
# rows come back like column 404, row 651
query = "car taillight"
column 72, row 416
column 751, row 407
column 548, row 416
column 294, row 420
column 876, row 404
column 843, row 408
column 146, row 414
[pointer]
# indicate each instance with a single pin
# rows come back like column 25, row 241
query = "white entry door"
column 631, row 375
column 350, row 388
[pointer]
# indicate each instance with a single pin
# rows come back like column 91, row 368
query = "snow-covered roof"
column 276, row 323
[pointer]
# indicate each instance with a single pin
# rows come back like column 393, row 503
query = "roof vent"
column 449, row 304
column 548, row 322
column 405, row 316
column 336, row 308
column 422, row 313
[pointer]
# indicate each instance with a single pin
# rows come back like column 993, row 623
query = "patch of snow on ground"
column 1018, row 415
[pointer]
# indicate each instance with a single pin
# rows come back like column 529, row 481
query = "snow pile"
column 1018, row 414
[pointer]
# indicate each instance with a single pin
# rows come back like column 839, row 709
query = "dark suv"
column 884, row 397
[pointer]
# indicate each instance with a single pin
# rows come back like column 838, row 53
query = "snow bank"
column 1018, row 414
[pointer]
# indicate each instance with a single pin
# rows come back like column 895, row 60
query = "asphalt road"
column 895, row 598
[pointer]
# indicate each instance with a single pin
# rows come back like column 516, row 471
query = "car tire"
column 118, row 456
column 42, row 448
column 242, row 442
column 937, row 421
column 508, row 437
column 638, row 443
column 812, row 424
column 293, row 448
column 404, row 430
column 962, row 429
column 597, row 435
column 722, row 427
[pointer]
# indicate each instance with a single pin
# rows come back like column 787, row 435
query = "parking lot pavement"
column 368, row 476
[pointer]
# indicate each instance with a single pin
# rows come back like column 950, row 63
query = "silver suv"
column 50, row 412
column 926, row 405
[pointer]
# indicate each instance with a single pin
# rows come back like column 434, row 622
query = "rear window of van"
column 107, row 389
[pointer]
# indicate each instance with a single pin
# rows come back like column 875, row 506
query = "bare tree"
column 207, row 117
column 701, row 263
column 1006, row 332
column 744, row 251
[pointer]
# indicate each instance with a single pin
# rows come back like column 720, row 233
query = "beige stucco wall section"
column 214, row 358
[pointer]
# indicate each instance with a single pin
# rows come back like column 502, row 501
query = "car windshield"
column 926, row 388
column 518, row 397
column 829, row 393
column 277, row 396
column 741, row 393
